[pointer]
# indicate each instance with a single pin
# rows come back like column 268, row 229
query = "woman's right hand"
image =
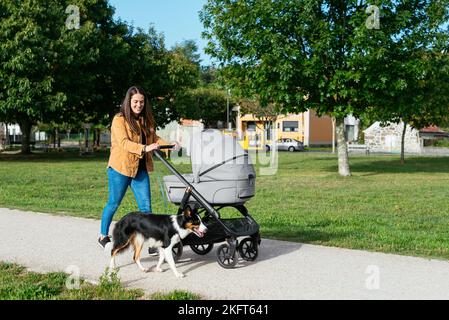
column 151, row 147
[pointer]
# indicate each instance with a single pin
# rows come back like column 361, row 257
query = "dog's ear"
column 187, row 212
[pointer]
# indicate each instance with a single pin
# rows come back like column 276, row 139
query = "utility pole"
column 333, row 134
column 227, row 109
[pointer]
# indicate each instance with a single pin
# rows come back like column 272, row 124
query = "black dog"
column 160, row 231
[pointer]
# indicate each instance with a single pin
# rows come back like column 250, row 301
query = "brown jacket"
column 127, row 148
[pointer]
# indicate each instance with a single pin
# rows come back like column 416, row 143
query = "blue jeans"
column 117, row 186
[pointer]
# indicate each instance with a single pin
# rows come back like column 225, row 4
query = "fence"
column 41, row 140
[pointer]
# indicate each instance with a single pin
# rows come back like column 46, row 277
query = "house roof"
column 189, row 122
column 431, row 129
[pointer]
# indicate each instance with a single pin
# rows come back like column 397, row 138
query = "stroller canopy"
column 216, row 156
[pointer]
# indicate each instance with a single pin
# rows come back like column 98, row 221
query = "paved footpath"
column 283, row 271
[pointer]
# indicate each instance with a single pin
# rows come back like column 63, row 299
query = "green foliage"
column 253, row 106
column 48, row 72
column 16, row 283
column 189, row 49
column 417, row 71
column 442, row 143
column 208, row 75
column 53, row 74
column 175, row 295
column 110, row 281
column 207, row 104
column 29, row 53
column 318, row 54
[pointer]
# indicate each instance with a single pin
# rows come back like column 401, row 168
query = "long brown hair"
column 146, row 114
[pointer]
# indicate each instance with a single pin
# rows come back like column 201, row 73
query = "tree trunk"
column 342, row 148
column 97, row 142
column 403, row 143
column 8, row 141
column 58, row 138
column 54, row 139
column 97, row 133
column 86, row 139
column 25, row 127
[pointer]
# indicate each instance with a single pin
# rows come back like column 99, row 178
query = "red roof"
column 188, row 122
column 431, row 129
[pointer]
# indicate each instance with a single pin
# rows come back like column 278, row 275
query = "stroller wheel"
column 177, row 251
column 202, row 249
column 248, row 249
column 224, row 257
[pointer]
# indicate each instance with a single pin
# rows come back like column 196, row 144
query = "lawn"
column 383, row 207
column 16, row 283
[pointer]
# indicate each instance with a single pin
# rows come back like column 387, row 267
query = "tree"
column 192, row 92
column 206, row 104
column 268, row 113
column 419, row 94
column 55, row 71
column 189, row 49
column 47, row 70
column 416, row 68
column 311, row 54
column 100, row 67
column 208, row 75
column 28, row 53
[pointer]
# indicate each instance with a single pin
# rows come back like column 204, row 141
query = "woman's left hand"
column 176, row 145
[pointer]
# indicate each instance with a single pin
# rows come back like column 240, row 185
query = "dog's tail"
column 122, row 235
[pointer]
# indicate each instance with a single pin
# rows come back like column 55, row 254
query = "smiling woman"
column 137, row 104
column 133, row 136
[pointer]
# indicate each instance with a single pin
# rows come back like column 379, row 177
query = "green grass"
column 16, row 283
column 383, row 207
column 176, row 295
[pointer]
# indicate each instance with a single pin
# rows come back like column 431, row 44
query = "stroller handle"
column 166, row 147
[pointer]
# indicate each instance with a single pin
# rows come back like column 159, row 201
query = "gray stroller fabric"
column 221, row 170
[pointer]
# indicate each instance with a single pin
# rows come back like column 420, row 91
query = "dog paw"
column 159, row 270
column 180, row 275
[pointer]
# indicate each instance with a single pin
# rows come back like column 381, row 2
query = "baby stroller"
column 222, row 176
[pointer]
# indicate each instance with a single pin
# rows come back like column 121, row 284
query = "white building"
column 15, row 134
column 352, row 125
column 388, row 138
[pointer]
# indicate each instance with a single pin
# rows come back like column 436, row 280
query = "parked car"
column 287, row 144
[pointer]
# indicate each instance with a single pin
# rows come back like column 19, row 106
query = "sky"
column 178, row 20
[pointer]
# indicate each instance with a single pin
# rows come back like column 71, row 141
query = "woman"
column 133, row 137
